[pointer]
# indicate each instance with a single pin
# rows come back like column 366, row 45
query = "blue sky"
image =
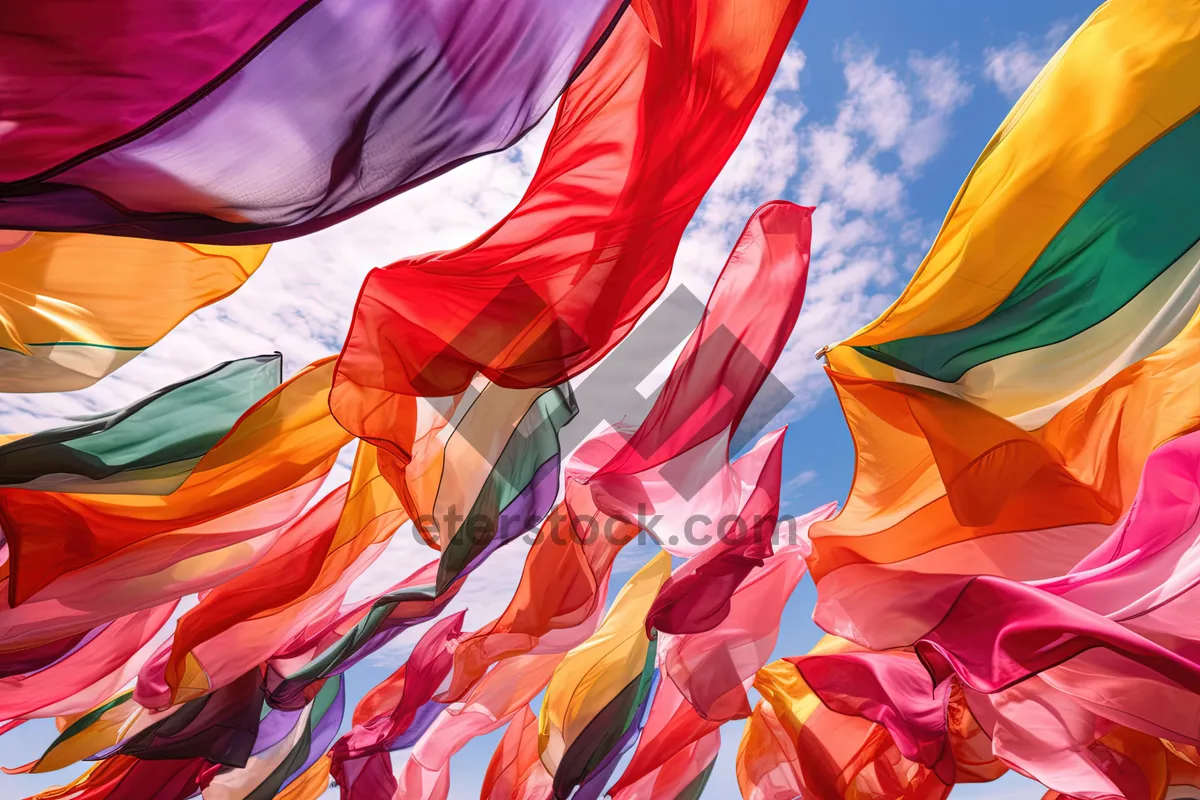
column 876, row 116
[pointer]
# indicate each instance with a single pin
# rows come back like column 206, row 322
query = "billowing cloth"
column 385, row 716
column 148, row 447
column 254, row 480
column 287, row 606
column 802, row 746
column 221, row 728
column 235, row 123
column 287, row 746
column 697, row 597
column 711, row 668
column 1109, row 643
column 675, row 748
column 515, row 771
column 74, row 308
column 494, row 701
column 709, row 389
column 640, row 136
column 128, row 778
column 1040, row 364
column 1005, row 405
column 76, row 673
column 682, row 777
column 268, row 753
column 304, row 575
column 1051, row 208
column 598, row 692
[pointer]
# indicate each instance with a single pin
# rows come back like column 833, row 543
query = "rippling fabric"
column 497, row 495
column 278, row 760
column 595, row 694
column 130, row 778
column 997, row 477
column 835, row 755
column 313, row 555
column 284, row 442
column 498, row 698
column 708, row 391
column 674, row 742
column 253, row 122
column 74, row 674
column 1108, row 643
column 221, row 728
column 149, row 447
column 515, row 771
column 712, row 668
column 360, row 760
column 639, row 138
column 1022, row 218
column 74, row 308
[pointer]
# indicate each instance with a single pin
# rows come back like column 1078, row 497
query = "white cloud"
column 804, row 478
column 856, row 169
column 1013, row 67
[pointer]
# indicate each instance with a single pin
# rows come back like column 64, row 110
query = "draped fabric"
column 598, row 691
column 515, row 771
column 277, row 450
column 384, row 718
column 796, row 744
column 497, row 699
column 639, row 137
column 457, row 390
column 68, row 316
column 708, row 391
column 1016, row 537
column 712, row 668
column 675, row 748
column 243, row 123
column 150, row 446
column 976, row 478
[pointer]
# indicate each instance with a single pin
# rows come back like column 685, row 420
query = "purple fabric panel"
column 275, row 727
column 422, row 719
column 324, row 732
column 534, row 502
column 80, row 73
column 594, row 785
column 354, row 102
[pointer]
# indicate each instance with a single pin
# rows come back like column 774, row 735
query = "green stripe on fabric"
column 84, row 722
column 1135, row 226
column 597, row 739
column 696, row 788
column 173, row 427
column 534, row 442
column 298, row 755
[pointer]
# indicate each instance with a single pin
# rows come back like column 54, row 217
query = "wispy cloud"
column 804, row 478
column 857, row 169
column 1013, row 67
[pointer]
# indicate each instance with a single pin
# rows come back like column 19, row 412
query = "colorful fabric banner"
column 1041, row 451
column 641, row 134
column 239, row 124
column 597, row 693
column 148, row 447
column 286, row 441
column 74, row 308
column 706, row 395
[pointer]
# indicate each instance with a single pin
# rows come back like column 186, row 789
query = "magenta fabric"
column 388, row 710
column 248, row 122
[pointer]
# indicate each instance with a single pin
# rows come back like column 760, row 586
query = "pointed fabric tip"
column 645, row 13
